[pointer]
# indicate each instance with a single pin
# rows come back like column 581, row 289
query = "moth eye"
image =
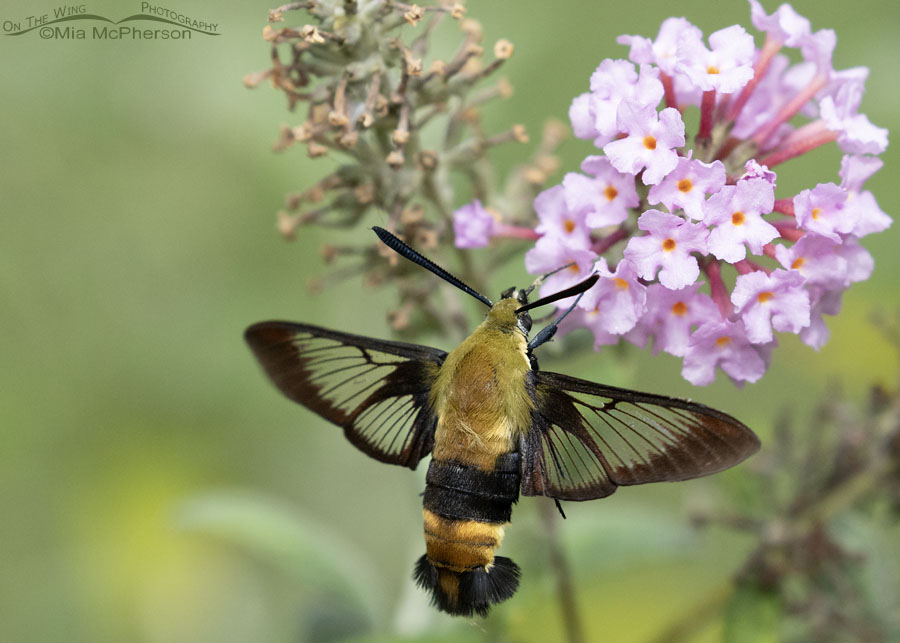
column 525, row 322
column 506, row 294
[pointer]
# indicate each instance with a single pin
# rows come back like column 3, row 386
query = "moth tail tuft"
column 468, row 593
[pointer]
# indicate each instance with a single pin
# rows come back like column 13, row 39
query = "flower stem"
column 788, row 230
column 515, row 232
column 759, row 70
column 784, row 206
column 799, row 146
column 602, row 245
column 717, row 289
column 669, row 89
column 788, row 110
column 707, row 109
column 560, row 565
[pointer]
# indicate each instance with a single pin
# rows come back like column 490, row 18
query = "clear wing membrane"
column 587, row 439
column 377, row 391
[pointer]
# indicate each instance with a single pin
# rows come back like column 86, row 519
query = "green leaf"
column 317, row 558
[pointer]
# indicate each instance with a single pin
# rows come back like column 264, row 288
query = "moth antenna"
column 577, row 289
column 404, row 250
column 548, row 331
column 537, row 282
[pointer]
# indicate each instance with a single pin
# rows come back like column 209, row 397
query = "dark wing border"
column 587, row 439
column 396, row 391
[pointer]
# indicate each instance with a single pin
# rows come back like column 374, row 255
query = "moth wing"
column 588, row 439
column 376, row 390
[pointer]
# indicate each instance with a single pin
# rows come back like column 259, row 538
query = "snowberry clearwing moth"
column 494, row 425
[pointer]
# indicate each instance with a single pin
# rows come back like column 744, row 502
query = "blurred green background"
column 155, row 488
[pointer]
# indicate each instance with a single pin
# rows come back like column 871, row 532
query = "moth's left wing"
column 588, row 439
column 376, row 390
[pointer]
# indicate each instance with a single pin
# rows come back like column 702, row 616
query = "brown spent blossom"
column 366, row 102
column 414, row 14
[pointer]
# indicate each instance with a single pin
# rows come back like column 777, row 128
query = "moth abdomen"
column 465, row 510
column 471, row 592
column 463, row 492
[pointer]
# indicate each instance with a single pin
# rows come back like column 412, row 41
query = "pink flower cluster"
column 698, row 254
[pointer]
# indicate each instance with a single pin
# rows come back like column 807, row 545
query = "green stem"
column 697, row 617
column 560, row 565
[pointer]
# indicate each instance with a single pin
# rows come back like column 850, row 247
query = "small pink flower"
column 663, row 52
column 817, row 259
column 753, row 170
column 856, row 134
column 824, row 302
column 723, row 343
column 861, row 205
column 593, row 320
column 860, row 263
column 785, row 25
column 473, row 226
column 558, row 220
column 821, row 210
column 650, row 143
column 551, row 252
column 668, row 245
column 818, row 48
column 618, row 298
column 766, row 301
column 610, row 82
column 670, row 317
column 725, row 68
column 605, row 199
column 687, row 185
column 582, row 117
column 736, row 211
column 594, row 114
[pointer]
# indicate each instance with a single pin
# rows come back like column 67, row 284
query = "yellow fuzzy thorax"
column 479, row 395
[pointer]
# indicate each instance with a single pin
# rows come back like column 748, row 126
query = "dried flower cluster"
column 656, row 210
column 402, row 119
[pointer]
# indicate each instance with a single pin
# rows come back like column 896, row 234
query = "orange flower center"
column 712, row 69
column 611, row 193
column 763, row 297
column 723, row 341
column 737, row 218
column 685, row 185
column 816, row 212
column 621, row 284
column 799, row 261
column 668, row 245
column 568, row 225
column 650, row 142
column 574, row 267
column 679, row 308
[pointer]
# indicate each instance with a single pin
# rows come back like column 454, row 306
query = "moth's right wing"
column 376, row 390
column 587, row 439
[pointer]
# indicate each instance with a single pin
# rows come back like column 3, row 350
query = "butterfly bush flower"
column 618, row 292
column 473, row 226
column 671, row 218
column 687, row 185
column 736, row 212
column 667, row 246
